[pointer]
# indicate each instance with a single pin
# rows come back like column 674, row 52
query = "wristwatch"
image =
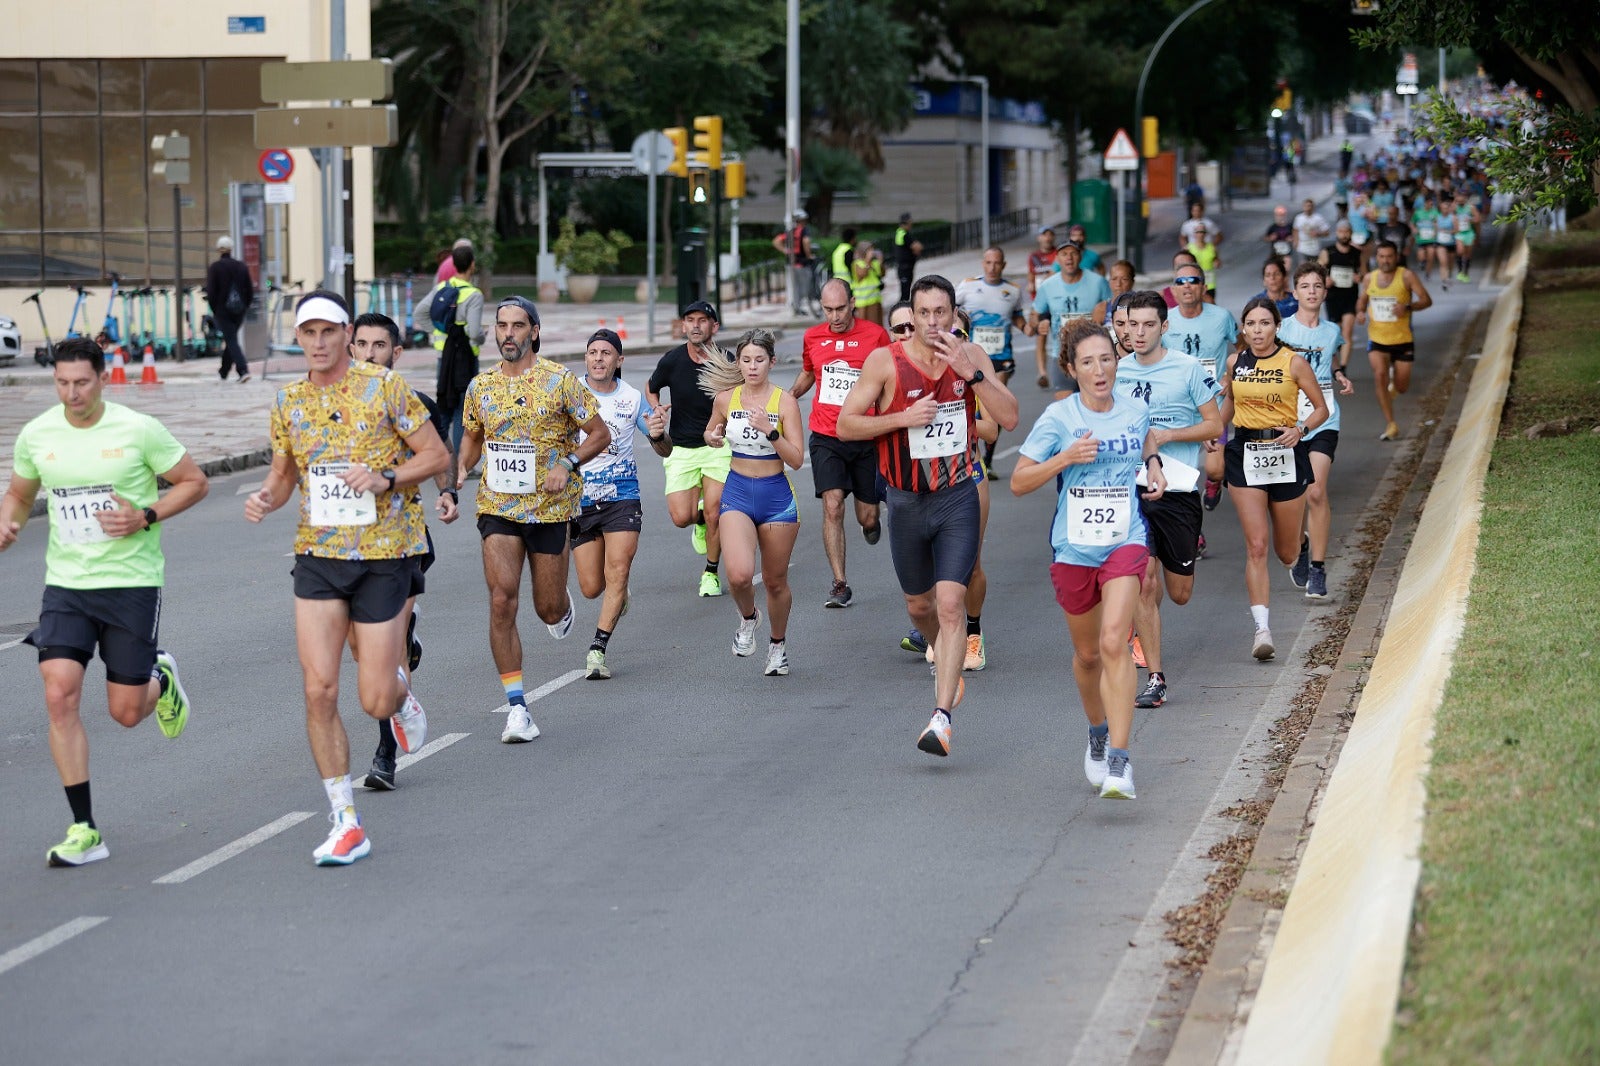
column 150, row 517
column 774, row 435
column 1300, row 427
column 388, row 475
column 570, row 461
column 975, row 378
column 452, row 493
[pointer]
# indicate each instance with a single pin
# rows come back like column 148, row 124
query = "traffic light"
column 733, row 181
column 700, row 187
column 172, row 162
column 1150, row 130
column 1284, row 101
column 708, row 141
column 680, row 151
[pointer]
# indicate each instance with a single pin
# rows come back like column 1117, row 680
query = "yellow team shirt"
column 364, row 417
column 1265, row 396
column 1389, row 309
column 543, row 408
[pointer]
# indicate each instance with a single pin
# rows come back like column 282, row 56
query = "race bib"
column 1097, row 515
column 745, row 438
column 837, row 381
column 333, row 503
column 1280, row 247
column 1303, row 407
column 1266, row 463
column 1384, row 308
column 946, row 435
column 1209, row 366
column 72, row 513
column 1342, row 277
column 1425, row 233
column 511, row 468
column 992, row 339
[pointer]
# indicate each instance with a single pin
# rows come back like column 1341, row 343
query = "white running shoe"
column 778, row 659
column 744, row 638
column 345, row 844
column 935, row 740
column 1118, row 784
column 410, row 726
column 519, row 726
column 1094, row 761
column 1263, row 647
column 560, row 629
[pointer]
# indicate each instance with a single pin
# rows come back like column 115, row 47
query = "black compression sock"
column 711, row 566
column 602, row 638
column 1316, row 564
column 386, row 742
column 974, row 626
column 78, row 800
column 700, row 517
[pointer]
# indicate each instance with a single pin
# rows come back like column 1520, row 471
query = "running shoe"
column 744, row 638
column 1300, row 572
column 1263, row 648
column 777, row 660
column 413, row 644
column 381, row 777
column 82, row 846
column 1213, row 494
column 1094, row 761
column 594, row 665
column 914, row 642
column 977, row 655
column 410, row 724
column 1043, row 382
column 710, row 584
column 172, row 706
column 560, row 629
column 935, row 739
column 1137, row 650
column 1200, row 547
column 1118, row 784
column 1317, row 585
column 697, row 534
column 1463, row 278
column 871, row 533
column 840, row 596
column 1154, row 694
column 519, row 726
column 345, row 844
column 1390, row 432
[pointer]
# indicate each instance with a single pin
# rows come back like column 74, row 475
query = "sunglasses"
column 1187, row 280
column 959, row 332
column 904, row 327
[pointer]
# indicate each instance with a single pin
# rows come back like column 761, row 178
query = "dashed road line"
column 12, row 643
column 432, row 747
column 543, row 690
column 237, row 847
column 41, row 944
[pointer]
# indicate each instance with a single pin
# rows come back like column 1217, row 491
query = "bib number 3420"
column 333, row 503
column 1266, row 463
column 1098, row 515
column 946, row 435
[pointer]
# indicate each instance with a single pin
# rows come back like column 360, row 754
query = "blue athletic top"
column 992, row 309
column 614, row 473
column 1320, row 345
column 1208, row 337
column 1063, row 302
column 1091, row 493
column 1173, row 389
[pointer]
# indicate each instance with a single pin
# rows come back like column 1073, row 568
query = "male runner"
column 1063, row 297
column 1209, row 333
column 375, row 339
column 1391, row 295
column 833, row 353
column 1182, row 397
column 1309, row 229
column 994, row 306
column 98, row 463
column 925, row 391
column 695, row 470
column 356, row 441
column 524, row 416
column 1041, row 264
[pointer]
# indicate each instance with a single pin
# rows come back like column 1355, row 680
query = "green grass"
column 1504, row 965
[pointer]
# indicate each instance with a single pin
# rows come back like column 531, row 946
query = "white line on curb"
column 41, row 944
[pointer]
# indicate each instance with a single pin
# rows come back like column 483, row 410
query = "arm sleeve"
column 1040, row 304
column 661, row 375
column 470, row 420
column 575, row 399
column 406, row 409
column 472, row 317
column 645, row 410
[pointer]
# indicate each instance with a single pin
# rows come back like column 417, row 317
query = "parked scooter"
column 78, row 306
column 110, row 328
column 45, row 356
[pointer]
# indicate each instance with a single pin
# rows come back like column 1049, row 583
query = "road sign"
column 351, row 79
column 328, row 127
column 651, row 146
column 279, row 193
column 1122, row 154
column 275, row 164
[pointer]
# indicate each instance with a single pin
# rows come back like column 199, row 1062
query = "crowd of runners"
column 1165, row 403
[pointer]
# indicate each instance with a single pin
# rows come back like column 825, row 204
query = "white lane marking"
column 228, row 851
column 432, row 747
column 1014, row 449
column 12, row 643
column 41, row 944
column 543, row 690
column 245, row 490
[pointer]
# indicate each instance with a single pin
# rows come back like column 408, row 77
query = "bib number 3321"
column 1266, row 463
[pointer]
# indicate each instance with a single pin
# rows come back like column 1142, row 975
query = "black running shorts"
column 122, row 623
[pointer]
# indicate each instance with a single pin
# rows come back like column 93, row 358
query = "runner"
column 759, row 510
column 1275, row 285
column 986, row 431
column 1322, row 345
column 376, row 339
column 1343, row 260
column 833, row 353
column 1182, row 399
column 1309, row 229
column 1041, row 264
column 993, row 306
column 1091, row 258
column 1092, row 447
column 1209, row 333
column 97, row 463
column 1425, row 221
column 1208, row 257
column 901, row 325
column 925, row 391
column 1392, row 294
column 356, row 441
column 1465, row 220
column 605, row 535
column 1268, row 467
column 1280, row 234
column 1063, row 297
column 526, row 414
column 695, row 472
column 1120, row 277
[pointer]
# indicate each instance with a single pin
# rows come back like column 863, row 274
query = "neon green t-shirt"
column 78, row 470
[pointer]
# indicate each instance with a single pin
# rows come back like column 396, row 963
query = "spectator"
column 230, row 293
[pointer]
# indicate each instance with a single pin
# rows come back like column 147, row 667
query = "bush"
column 589, row 252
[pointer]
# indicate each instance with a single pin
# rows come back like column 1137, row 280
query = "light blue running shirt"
column 1173, row 388
column 1321, row 344
column 1208, row 337
column 1063, row 302
column 992, row 309
column 1097, row 509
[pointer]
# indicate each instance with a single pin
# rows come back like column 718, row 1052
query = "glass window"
column 19, row 162
column 197, row 253
column 19, row 85
column 71, row 173
column 121, row 85
column 194, row 200
column 231, row 155
column 69, row 85
column 127, row 173
column 72, row 257
column 19, row 258
column 128, row 254
column 233, row 85
column 172, row 84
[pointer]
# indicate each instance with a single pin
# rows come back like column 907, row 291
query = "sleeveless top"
column 746, row 441
column 1264, row 392
column 1387, row 320
column 933, row 457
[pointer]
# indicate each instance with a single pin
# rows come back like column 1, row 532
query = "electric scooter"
column 110, row 328
column 77, row 306
column 45, row 356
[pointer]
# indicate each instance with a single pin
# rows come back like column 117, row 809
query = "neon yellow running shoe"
column 172, row 707
column 698, row 535
column 83, row 845
column 710, row 584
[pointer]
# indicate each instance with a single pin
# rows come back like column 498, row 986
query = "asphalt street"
column 694, row 863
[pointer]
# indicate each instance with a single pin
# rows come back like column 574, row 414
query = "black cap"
column 607, row 335
column 703, row 307
column 524, row 303
column 905, row 216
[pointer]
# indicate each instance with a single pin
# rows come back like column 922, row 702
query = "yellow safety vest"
column 467, row 289
column 867, row 290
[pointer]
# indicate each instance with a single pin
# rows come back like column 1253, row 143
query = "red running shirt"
column 956, row 428
column 835, row 359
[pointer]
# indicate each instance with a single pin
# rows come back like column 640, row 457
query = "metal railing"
column 759, row 283
column 960, row 236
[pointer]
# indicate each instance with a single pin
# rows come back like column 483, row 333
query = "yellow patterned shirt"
column 364, row 417
column 527, row 423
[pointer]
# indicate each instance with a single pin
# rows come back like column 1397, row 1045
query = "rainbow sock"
column 513, row 686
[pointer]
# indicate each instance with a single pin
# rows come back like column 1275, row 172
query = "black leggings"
column 934, row 536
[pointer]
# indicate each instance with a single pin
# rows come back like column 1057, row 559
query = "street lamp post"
column 1138, row 107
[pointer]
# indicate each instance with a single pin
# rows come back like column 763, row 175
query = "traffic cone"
column 622, row 328
column 147, row 376
column 119, row 375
